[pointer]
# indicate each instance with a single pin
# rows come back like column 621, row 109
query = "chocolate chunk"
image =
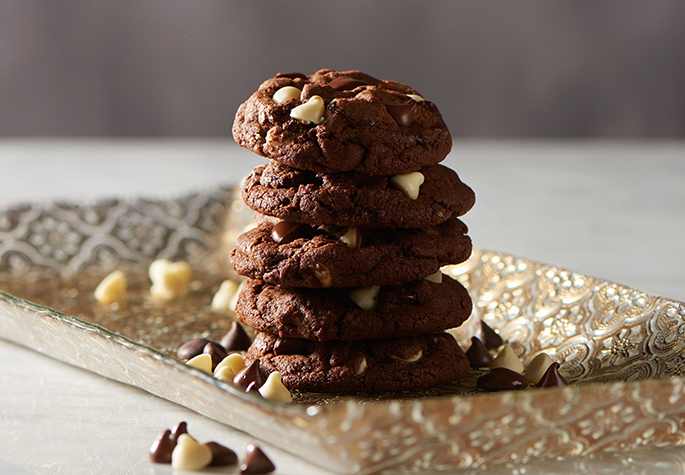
column 192, row 348
column 221, row 456
column 291, row 75
column 404, row 297
column 291, row 346
column 491, row 339
column 552, row 378
column 250, row 373
column 402, row 113
column 478, row 355
column 216, row 351
column 346, row 83
column 288, row 231
column 180, row 428
column 339, row 355
column 501, row 379
column 256, row 461
column 162, row 447
column 236, row 339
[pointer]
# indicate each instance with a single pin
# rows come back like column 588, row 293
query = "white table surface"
column 613, row 210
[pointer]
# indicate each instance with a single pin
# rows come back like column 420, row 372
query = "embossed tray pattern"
column 621, row 349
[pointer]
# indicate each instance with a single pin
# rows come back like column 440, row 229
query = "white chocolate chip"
column 234, row 361
column 170, row 280
column 507, row 359
column 437, row 277
column 411, row 359
column 286, row 93
column 223, row 297
column 202, row 362
column 311, row 111
column 408, row 183
column 224, row 374
column 536, row 368
column 112, row 288
column 416, row 97
column 366, row 297
column 351, row 238
column 234, row 299
column 274, row 390
column 190, row 455
column 362, row 367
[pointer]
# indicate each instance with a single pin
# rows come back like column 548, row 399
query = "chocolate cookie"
column 355, row 199
column 393, row 364
column 362, row 123
column 315, row 314
column 332, row 256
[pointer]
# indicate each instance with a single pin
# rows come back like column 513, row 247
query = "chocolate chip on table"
column 236, row 339
column 402, row 113
column 291, row 346
column 552, row 378
column 162, row 447
column 346, row 83
column 478, row 355
column 180, row 428
column 491, row 339
column 285, row 232
column 192, row 348
column 501, row 379
column 216, row 351
column 256, row 461
column 249, row 374
column 221, row 456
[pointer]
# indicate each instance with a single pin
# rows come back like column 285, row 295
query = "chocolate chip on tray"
column 490, row 339
column 192, row 348
column 256, row 461
column 236, row 339
column 552, row 378
column 501, row 379
column 507, row 359
column 478, row 355
column 216, row 352
column 249, row 374
column 162, row 447
column 190, row 455
column 180, row 428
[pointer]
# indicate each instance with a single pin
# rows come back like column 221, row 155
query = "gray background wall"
column 516, row 68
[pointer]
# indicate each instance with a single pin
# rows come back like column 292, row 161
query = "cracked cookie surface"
column 368, row 125
column 392, row 364
column 402, row 310
column 355, row 199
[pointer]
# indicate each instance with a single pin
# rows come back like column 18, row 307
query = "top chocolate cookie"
column 336, row 121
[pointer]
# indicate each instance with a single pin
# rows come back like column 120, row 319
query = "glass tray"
column 621, row 349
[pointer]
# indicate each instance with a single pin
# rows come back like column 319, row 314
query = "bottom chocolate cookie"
column 393, row 364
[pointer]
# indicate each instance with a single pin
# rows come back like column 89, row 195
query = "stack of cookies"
column 355, row 219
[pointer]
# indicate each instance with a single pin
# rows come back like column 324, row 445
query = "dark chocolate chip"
column 180, row 428
column 162, row 447
column 552, row 378
column 236, row 339
column 501, row 379
column 216, row 351
column 478, row 355
column 404, row 297
column 192, row 348
column 221, row 456
column 402, row 113
column 253, row 388
column 284, row 232
column 490, row 339
column 291, row 346
column 291, row 75
column 256, row 461
column 250, row 373
column 339, row 355
column 346, row 83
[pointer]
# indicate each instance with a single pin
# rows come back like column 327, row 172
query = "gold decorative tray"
column 621, row 349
